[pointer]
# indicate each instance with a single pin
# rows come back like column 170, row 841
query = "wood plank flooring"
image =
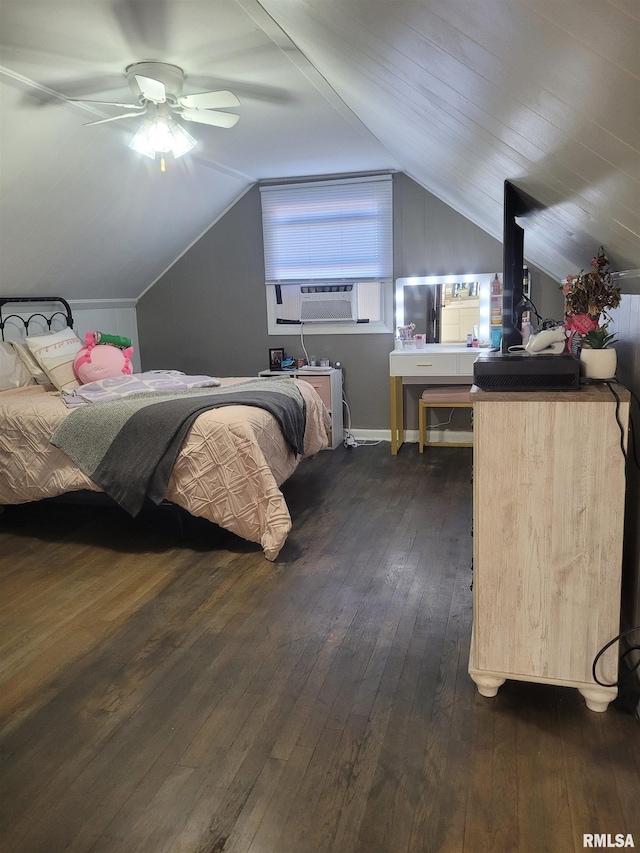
column 188, row 696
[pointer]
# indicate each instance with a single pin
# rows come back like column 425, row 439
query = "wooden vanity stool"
column 442, row 397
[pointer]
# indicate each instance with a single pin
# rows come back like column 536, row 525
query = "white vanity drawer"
column 466, row 360
column 424, row 364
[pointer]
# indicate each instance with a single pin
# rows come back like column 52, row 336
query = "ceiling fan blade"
column 152, row 90
column 214, row 119
column 112, row 118
column 209, row 100
column 244, row 91
column 108, row 103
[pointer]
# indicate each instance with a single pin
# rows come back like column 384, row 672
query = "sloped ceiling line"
column 459, row 94
column 487, row 125
column 298, row 58
column 335, row 38
column 44, row 93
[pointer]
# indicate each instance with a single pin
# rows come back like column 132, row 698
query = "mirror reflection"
column 445, row 308
column 422, row 307
column 460, row 313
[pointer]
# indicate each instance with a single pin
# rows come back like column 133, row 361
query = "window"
column 328, row 248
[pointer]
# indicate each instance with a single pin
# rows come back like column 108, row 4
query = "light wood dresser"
column 548, row 494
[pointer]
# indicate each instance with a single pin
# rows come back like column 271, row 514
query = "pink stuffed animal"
column 101, row 361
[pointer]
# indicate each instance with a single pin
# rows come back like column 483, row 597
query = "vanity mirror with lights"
column 446, row 308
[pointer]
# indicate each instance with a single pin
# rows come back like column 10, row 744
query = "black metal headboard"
column 4, row 300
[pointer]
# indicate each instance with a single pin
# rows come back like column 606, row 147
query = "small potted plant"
column 588, row 299
column 597, row 357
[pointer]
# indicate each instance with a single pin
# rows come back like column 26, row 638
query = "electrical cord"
column 544, row 324
column 637, row 628
column 622, row 656
column 304, row 349
column 632, row 440
column 618, row 421
column 535, row 310
column 349, row 439
column 444, row 423
column 632, row 437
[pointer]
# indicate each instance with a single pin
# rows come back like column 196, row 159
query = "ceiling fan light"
column 161, row 135
column 141, row 142
column 183, row 142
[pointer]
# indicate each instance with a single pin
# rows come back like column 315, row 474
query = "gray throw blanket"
column 128, row 447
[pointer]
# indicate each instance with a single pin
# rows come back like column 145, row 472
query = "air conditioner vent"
column 328, row 303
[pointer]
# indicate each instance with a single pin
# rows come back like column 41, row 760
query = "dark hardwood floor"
column 175, row 696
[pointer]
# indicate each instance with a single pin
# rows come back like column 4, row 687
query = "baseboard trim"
column 411, row 435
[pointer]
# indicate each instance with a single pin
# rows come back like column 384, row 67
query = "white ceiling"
column 459, row 94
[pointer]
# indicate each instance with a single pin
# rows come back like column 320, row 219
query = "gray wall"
column 207, row 314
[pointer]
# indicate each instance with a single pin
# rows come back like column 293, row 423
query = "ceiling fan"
column 157, row 86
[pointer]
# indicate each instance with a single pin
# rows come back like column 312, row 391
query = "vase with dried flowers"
column 588, row 300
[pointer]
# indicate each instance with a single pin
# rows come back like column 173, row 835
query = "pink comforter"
column 228, row 471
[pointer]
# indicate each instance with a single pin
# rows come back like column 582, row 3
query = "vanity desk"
column 434, row 364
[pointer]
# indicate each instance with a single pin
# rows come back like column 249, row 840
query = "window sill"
column 342, row 328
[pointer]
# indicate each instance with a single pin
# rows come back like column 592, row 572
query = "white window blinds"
column 328, row 230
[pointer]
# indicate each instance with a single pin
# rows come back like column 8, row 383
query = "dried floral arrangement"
column 592, row 293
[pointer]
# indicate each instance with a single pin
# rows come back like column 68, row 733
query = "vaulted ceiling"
column 459, row 94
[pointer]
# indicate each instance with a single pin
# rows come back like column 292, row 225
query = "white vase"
column 598, row 363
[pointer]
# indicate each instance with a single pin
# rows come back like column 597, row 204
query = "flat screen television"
column 517, row 203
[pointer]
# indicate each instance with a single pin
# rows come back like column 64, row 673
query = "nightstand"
column 327, row 381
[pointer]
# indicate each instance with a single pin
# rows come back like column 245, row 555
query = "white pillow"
column 24, row 354
column 13, row 373
column 55, row 354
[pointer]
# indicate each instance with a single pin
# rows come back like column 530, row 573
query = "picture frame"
column 276, row 357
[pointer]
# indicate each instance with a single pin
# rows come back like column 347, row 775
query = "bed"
column 229, row 466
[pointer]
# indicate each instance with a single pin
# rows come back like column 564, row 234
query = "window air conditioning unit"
column 328, row 303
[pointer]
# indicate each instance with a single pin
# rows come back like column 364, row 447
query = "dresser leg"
column 488, row 685
column 598, row 698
